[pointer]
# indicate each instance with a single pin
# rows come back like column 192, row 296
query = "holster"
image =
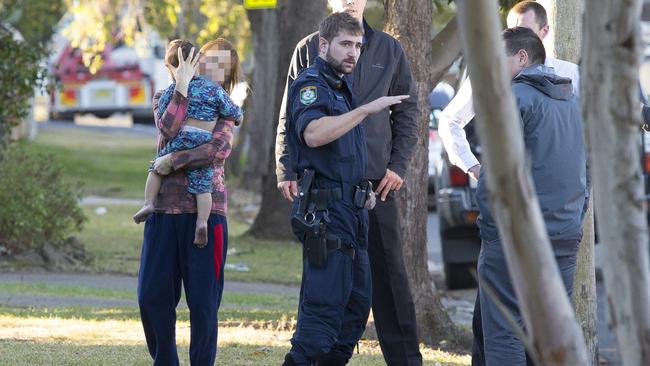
column 362, row 194
column 316, row 245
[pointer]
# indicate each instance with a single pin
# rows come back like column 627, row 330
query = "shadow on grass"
column 226, row 317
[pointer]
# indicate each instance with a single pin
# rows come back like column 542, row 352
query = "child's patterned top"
column 208, row 101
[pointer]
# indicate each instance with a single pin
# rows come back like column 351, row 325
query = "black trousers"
column 392, row 303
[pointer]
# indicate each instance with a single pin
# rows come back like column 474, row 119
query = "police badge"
column 308, row 95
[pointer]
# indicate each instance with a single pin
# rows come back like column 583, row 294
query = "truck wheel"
column 458, row 275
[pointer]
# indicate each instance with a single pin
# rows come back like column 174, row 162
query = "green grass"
column 56, row 341
column 242, row 307
column 114, row 242
column 226, row 313
column 17, row 353
column 114, row 165
column 108, row 164
column 234, row 300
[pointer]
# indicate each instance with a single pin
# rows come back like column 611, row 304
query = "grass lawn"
column 114, row 242
column 109, row 164
column 114, row 164
column 58, row 341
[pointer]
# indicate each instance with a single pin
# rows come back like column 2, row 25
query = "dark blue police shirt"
column 318, row 92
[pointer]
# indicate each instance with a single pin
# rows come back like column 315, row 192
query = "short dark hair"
column 537, row 8
column 522, row 38
column 171, row 56
column 332, row 26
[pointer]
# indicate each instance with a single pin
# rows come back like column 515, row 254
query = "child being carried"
column 208, row 101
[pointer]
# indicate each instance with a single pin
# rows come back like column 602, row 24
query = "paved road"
column 465, row 298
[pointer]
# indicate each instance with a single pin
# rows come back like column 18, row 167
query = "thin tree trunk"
column 264, row 30
column 564, row 43
column 547, row 313
column 565, row 18
column 612, row 51
column 584, row 287
column 409, row 21
column 296, row 19
column 446, row 49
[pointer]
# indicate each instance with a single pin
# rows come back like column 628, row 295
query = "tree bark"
column 564, row 43
column 446, row 49
column 409, row 21
column 585, row 303
column 266, row 46
column 547, row 313
column 611, row 55
column 564, row 18
column 296, row 19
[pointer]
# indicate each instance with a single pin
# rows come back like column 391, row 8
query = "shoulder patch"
column 308, row 95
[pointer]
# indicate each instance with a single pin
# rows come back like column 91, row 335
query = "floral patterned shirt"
column 207, row 101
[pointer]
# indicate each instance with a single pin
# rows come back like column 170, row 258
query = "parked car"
column 439, row 97
column 457, row 213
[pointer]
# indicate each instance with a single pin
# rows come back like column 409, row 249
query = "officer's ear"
column 323, row 45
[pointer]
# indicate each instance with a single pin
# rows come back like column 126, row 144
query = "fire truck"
column 125, row 83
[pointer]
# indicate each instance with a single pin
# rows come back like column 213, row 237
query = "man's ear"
column 523, row 57
column 322, row 45
column 544, row 31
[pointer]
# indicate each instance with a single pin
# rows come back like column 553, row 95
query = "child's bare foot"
column 143, row 213
column 201, row 235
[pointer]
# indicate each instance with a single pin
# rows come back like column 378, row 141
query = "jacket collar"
column 331, row 77
column 368, row 32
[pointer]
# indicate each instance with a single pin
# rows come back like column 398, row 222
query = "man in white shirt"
column 460, row 110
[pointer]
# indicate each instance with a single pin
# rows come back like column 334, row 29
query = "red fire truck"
column 125, row 83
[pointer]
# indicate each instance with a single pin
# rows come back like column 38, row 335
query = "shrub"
column 38, row 207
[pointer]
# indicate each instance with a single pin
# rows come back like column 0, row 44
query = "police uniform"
column 336, row 296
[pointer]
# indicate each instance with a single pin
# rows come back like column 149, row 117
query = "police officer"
column 329, row 218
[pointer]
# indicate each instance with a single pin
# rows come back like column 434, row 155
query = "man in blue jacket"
column 553, row 137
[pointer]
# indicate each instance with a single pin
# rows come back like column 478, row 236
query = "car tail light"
column 136, row 94
column 69, row 97
column 457, row 177
column 646, row 164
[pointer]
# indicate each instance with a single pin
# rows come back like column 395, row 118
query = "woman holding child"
column 186, row 232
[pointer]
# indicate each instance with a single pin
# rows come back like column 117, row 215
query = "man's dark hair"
column 521, row 38
column 336, row 23
column 537, row 8
column 171, row 56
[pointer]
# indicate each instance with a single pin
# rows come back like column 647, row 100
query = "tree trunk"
column 409, row 21
column 547, row 313
column 296, row 19
column 445, row 50
column 564, row 42
column 239, row 145
column 264, row 30
column 564, row 18
column 611, row 55
column 584, row 286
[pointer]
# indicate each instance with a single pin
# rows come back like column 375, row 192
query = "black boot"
column 332, row 360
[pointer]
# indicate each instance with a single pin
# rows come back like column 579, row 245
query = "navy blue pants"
column 501, row 347
column 335, row 302
column 168, row 259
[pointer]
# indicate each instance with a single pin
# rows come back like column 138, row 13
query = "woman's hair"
column 222, row 44
column 171, row 56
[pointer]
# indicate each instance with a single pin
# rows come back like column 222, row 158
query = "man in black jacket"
column 382, row 70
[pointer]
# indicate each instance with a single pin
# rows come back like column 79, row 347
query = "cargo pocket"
column 328, row 285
